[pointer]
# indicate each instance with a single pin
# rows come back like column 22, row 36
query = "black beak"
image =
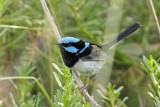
column 57, row 43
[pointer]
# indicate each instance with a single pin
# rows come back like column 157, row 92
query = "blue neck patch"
column 69, row 40
column 81, row 51
column 71, row 49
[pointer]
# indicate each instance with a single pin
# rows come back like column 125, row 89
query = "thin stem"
column 112, row 103
column 51, row 72
column 158, row 91
column 50, row 19
column 155, row 16
column 83, row 90
column 67, row 87
column 31, row 78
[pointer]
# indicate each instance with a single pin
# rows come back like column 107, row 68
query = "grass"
column 152, row 69
column 29, row 78
column 27, row 49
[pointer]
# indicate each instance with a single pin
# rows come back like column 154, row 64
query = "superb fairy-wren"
column 88, row 58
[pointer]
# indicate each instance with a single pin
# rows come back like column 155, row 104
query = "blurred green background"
column 27, row 44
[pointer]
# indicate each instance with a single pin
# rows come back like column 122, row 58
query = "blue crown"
column 69, row 40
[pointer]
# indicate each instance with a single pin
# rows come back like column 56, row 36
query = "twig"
column 155, row 16
column 83, row 91
column 50, row 19
column 81, row 86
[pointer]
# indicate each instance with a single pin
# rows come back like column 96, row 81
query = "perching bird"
column 88, row 58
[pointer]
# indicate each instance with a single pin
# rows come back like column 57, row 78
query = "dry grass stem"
column 50, row 19
column 155, row 16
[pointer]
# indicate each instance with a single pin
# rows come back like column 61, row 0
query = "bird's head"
column 71, row 44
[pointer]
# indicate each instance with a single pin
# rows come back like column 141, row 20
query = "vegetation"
column 32, row 72
column 153, row 71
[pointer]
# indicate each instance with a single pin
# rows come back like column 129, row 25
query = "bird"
column 88, row 58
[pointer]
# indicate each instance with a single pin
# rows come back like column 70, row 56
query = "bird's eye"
column 67, row 45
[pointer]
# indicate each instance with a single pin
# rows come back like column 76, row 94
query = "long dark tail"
column 122, row 35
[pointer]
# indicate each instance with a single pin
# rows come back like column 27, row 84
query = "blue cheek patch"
column 81, row 51
column 69, row 40
column 71, row 49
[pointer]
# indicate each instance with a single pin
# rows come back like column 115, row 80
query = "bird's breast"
column 87, row 67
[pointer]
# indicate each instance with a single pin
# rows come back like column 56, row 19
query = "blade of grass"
column 13, row 101
column 4, row 5
column 13, row 42
column 155, row 16
column 2, row 33
column 31, row 78
column 17, row 27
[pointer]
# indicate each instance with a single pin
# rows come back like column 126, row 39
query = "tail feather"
column 128, row 31
column 122, row 35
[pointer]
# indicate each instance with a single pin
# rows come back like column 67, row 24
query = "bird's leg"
column 90, row 81
column 70, row 71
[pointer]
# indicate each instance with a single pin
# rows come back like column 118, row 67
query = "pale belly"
column 88, row 67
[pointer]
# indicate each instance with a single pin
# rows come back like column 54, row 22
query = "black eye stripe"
column 79, row 45
column 66, row 44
